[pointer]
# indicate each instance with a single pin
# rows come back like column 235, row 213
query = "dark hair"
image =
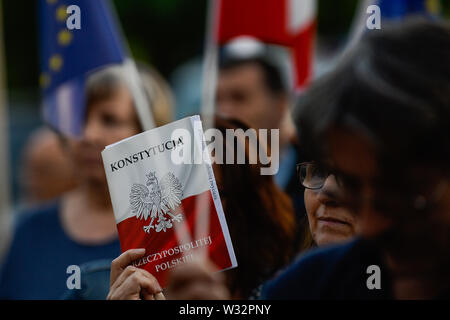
column 394, row 86
column 273, row 78
column 260, row 217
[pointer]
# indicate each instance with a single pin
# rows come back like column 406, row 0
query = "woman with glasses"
column 329, row 221
column 382, row 118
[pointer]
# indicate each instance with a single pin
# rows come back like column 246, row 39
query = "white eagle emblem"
column 157, row 200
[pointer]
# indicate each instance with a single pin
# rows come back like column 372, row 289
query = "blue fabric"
column 66, row 56
column 40, row 252
column 95, row 278
column 401, row 8
column 335, row 272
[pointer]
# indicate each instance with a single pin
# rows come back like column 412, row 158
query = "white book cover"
column 165, row 198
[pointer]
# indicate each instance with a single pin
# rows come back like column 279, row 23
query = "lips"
column 333, row 217
column 333, row 220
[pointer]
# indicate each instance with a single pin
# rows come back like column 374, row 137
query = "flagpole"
column 141, row 102
column 134, row 81
column 210, row 66
column 4, row 149
column 358, row 25
column 209, row 83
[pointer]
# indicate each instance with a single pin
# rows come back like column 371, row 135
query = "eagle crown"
column 151, row 179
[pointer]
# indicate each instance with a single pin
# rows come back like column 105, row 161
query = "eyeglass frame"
column 299, row 177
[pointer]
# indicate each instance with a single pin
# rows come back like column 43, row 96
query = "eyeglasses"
column 388, row 196
column 311, row 175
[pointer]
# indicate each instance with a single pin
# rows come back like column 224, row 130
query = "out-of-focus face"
column 107, row 121
column 387, row 203
column 47, row 170
column 243, row 95
column 329, row 221
column 354, row 157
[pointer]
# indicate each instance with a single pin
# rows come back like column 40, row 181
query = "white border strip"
column 197, row 124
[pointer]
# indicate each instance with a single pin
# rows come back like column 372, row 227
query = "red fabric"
column 303, row 50
column 132, row 235
column 263, row 19
column 267, row 20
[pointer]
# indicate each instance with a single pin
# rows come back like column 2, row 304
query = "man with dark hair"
column 252, row 88
column 382, row 118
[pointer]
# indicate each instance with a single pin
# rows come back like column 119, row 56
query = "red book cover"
column 165, row 198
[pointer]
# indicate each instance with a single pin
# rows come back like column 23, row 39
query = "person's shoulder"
column 42, row 216
column 308, row 276
column 29, row 226
column 38, row 213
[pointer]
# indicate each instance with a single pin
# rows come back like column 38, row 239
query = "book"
column 165, row 198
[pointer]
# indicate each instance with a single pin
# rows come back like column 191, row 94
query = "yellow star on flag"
column 44, row 80
column 64, row 37
column 55, row 62
column 433, row 6
column 61, row 13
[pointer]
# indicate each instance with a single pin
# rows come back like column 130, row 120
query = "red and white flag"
column 165, row 198
column 290, row 23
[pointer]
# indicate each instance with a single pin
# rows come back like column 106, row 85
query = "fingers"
column 147, row 282
column 122, row 261
column 123, row 276
column 197, row 281
column 160, row 296
column 148, row 296
column 198, row 270
column 134, row 284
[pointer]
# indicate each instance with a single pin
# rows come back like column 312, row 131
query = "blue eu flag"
column 395, row 9
column 68, row 55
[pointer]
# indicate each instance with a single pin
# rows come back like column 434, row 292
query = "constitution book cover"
column 165, row 198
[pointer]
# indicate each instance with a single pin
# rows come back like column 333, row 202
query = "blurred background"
column 167, row 34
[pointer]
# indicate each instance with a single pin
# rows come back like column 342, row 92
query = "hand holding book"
column 131, row 283
column 195, row 281
column 173, row 210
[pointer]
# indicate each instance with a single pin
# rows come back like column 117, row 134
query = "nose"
column 226, row 106
column 224, row 109
column 330, row 194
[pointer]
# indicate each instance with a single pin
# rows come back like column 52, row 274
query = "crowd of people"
column 364, row 180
